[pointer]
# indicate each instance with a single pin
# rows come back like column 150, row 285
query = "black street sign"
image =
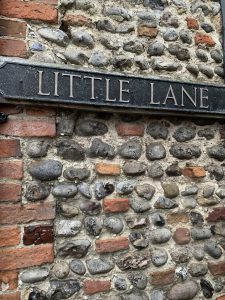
column 21, row 80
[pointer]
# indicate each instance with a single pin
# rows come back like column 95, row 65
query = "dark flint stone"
column 155, row 4
column 90, row 128
column 207, row 133
column 64, row 190
column 37, row 191
column 99, row 266
column 76, row 248
column 134, row 168
column 125, row 187
column 100, row 149
column 37, row 294
column 196, row 218
column 85, row 190
column 90, row 208
column 120, row 283
column 130, row 150
column 145, row 190
column 103, row 189
column 133, row 261
column 40, row 234
column 212, row 249
column 113, row 224
column 76, row 174
column 135, row 222
column 155, row 151
column 138, row 240
column 139, row 281
column 93, row 226
column 183, row 151
column 63, row 289
column 158, row 130
column 184, row 134
column 45, row 170
column 140, row 205
column 155, row 170
column 77, row 267
column 158, row 220
column 217, row 152
column 216, row 172
column 165, row 203
column 66, row 124
column 70, row 150
column 207, row 288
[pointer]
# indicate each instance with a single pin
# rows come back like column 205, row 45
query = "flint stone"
column 158, row 220
column 155, row 151
column 174, row 170
column 67, row 227
column 45, row 170
column 37, row 149
column 155, row 4
column 84, row 4
column 138, row 281
column 93, row 226
column 218, row 229
column 217, row 152
column 125, row 187
column 200, row 234
column 208, row 201
column 37, row 191
column 99, row 266
column 63, row 289
column 185, row 291
column 186, row 36
column 142, row 63
column 196, row 218
column 133, row 262
column 134, row 222
column 158, row 130
column 66, row 123
column 37, row 294
column 75, row 56
column 207, row 288
column 138, row 240
column 76, row 174
column 35, row 275
column 106, row 25
column 99, row 59
column 140, row 205
column 76, row 248
column 91, row 128
column 145, row 190
column 198, row 253
column 60, row 269
column 134, row 47
column 207, row 71
column 159, row 236
column 171, row 190
column 113, row 224
column 207, row 133
column 125, row 28
column 208, row 191
column 212, row 248
column 157, row 295
column 159, row 257
column 68, row 210
column 64, row 190
column 122, row 62
column 77, row 267
column 197, row 269
column 182, row 272
column 85, row 190
column 120, row 283
column 156, row 49
column 217, row 55
column 117, row 11
column 184, row 134
column 181, row 255
column 134, row 168
column 135, row 295
column 54, row 35
column 221, row 192
column 83, row 39
column 103, row 189
column 70, row 150
column 90, row 208
column 165, row 203
column 190, row 190
column 100, row 149
column 216, row 172
column 189, row 202
column 170, row 35
column 130, row 150
column 155, row 170
column 182, row 151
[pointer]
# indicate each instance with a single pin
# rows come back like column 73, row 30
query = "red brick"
column 192, row 23
column 10, row 278
column 204, row 39
column 96, row 286
column 194, row 172
column 28, row 10
column 13, row 28
column 175, row 218
column 10, row 192
column 147, row 31
column 17, row 213
column 163, row 277
column 77, row 20
column 221, row 298
column 19, row 258
column 10, row 296
column 217, row 268
column 10, row 148
column 116, row 205
column 108, row 169
column 112, row 245
column 129, row 129
column 11, row 169
column 30, row 128
column 11, row 47
column 9, row 236
column 40, row 234
column 182, row 236
column 216, row 215
column 40, row 111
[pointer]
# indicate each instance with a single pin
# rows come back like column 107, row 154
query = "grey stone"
column 216, row 55
column 77, row 267
column 85, row 190
column 159, row 257
column 113, row 224
column 158, row 130
column 125, row 187
column 67, row 2
column 187, row 290
column 37, row 149
column 202, row 55
column 106, row 25
column 64, row 190
column 170, row 35
column 70, row 150
column 83, row 38
column 84, row 4
column 99, row 59
column 74, row 248
column 93, row 226
column 207, row 71
column 34, row 275
column 190, row 190
column 165, row 203
column 174, row 170
column 182, row 273
column 37, row 191
column 120, row 12
column 158, row 220
column 67, row 227
column 111, row 44
column 133, row 261
column 90, row 127
column 133, row 47
column 134, row 168
column 196, row 218
column 101, row 149
column 140, row 205
column 221, row 192
column 197, row 269
column 183, row 134
column 155, row 151
column 147, row 16
column 181, row 255
column 142, row 63
column 199, row 5
column 43, row 57
column 125, row 28
column 156, row 4
column 76, row 174
column 218, row 229
column 157, row 295
column 217, row 152
column 60, row 269
column 135, row 222
column 216, row 172
column 179, row 51
column 135, row 295
column 138, row 240
column 120, row 283
column 68, row 210
column 168, row 19
column 56, row 36
column 186, row 36
column 46, row 169
column 130, row 150
column 90, row 208
column 207, row 288
column 103, row 189
column 99, row 266
column 208, row 191
column 63, row 289
column 156, row 49
column 138, row 281
column 198, row 253
column 185, row 151
column 66, row 123
column 189, row 202
column 171, row 190
column 155, row 170
column 122, row 62
column 207, row 133
column 215, row 8
column 208, row 201
column 37, row 47
column 145, row 190
column 211, row 247
column 75, row 56
column 159, row 236
column 193, row 69
column 37, row 294
column 207, row 27
column 200, row 233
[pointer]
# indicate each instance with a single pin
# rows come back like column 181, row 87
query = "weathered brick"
column 163, row 277
column 18, row 258
column 10, row 296
column 28, row 10
column 144, row 30
column 28, row 128
column 175, row 218
column 9, row 278
column 192, row 23
column 13, row 28
column 116, row 205
column 108, row 169
column 17, row 213
column 217, row 268
column 204, row 39
column 216, row 215
column 77, row 20
column 10, row 148
column 40, row 234
column 112, row 245
column 194, row 172
column 96, row 286
column 221, row 298
column 11, row 109
column 9, row 236
column 10, row 192
column 182, row 236
column 130, row 129
column 40, row 111
column 11, row 47
column 11, row 169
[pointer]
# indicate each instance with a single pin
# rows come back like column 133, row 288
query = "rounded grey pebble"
column 36, row 191
column 85, row 190
column 155, row 170
column 212, row 249
column 99, row 59
column 113, row 224
column 140, row 205
column 99, row 266
column 45, row 170
column 130, row 150
column 64, row 190
column 208, row 191
column 93, row 225
column 125, row 187
column 77, row 267
column 156, row 49
column 158, row 130
column 60, row 269
column 134, row 168
column 198, row 269
column 157, row 295
column 54, row 35
column 155, row 151
column 138, row 281
column 83, row 39
column 76, row 174
column 198, row 253
column 170, row 35
column 181, row 255
column 37, row 149
column 183, row 134
column 171, row 190
column 159, row 236
column 159, row 257
column 120, row 283
column 145, row 190
column 34, row 275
